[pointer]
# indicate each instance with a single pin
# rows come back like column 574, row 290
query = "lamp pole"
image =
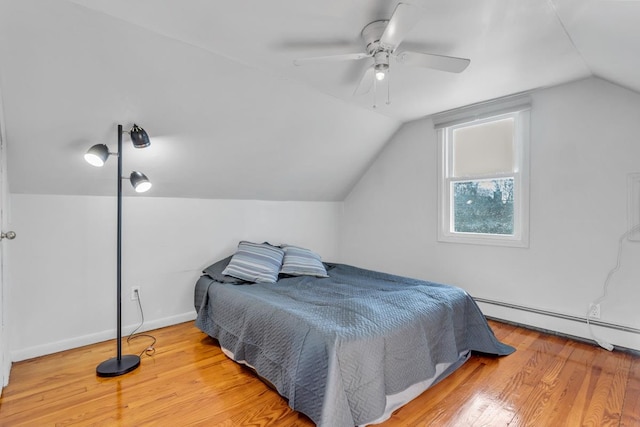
column 119, row 250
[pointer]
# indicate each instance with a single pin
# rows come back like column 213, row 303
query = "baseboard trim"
column 594, row 322
column 6, row 372
column 621, row 336
column 75, row 342
column 562, row 335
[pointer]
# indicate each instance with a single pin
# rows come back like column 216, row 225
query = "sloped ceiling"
column 229, row 114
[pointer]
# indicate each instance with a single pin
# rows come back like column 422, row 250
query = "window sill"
column 486, row 240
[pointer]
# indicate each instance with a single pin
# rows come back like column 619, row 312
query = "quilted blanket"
column 337, row 347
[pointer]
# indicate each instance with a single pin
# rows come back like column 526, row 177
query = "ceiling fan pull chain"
column 388, row 87
column 375, row 92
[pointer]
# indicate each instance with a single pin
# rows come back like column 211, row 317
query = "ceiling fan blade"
column 310, row 44
column 331, row 58
column 404, row 18
column 365, row 83
column 450, row 64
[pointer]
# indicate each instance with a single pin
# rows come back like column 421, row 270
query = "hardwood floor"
column 548, row 381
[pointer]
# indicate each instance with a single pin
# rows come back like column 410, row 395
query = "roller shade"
column 484, row 149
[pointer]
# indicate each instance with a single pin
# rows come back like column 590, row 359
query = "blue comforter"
column 337, row 347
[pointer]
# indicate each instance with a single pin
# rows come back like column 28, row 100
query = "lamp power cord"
column 605, row 290
column 150, row 349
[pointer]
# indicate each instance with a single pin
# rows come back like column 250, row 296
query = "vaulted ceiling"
column 231, row 116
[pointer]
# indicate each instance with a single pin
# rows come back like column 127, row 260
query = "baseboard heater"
column 594, row 322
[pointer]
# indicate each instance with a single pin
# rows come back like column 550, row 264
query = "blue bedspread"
column 336, row 347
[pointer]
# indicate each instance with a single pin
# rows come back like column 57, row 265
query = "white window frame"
column 519, row 110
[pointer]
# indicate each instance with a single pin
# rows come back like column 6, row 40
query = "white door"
column 4, row 371
column 5, row 361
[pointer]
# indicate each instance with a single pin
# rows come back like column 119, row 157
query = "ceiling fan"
column 382, row 39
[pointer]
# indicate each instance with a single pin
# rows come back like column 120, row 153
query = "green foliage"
column 484, row 206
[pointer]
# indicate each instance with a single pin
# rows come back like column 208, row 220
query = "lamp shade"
column 97, row 155
column 139, row 137
column 140, row 182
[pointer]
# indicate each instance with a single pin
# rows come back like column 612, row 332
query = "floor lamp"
column 97, row 156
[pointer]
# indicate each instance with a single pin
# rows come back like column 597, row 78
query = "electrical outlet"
column 594, row 311
column 135, row 291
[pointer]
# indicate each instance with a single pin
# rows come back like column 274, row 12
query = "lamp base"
column 114, row 367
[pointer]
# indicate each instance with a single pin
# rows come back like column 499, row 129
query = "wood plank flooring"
column 548, row 381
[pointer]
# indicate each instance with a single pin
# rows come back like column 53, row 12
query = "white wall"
column 63, row 264
column 585, row 140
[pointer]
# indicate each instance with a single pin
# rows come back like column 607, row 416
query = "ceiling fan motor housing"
column 371, row 35
column 381, row 61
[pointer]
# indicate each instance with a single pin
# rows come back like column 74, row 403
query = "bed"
column 347, row 349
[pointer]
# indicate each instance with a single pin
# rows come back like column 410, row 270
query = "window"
column 483, row 175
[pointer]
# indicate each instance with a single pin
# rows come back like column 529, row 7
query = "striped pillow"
column 255, row 262
column 302, row 262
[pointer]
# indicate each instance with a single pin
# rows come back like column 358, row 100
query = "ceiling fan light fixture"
column 381, row 71
column 381, row 64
